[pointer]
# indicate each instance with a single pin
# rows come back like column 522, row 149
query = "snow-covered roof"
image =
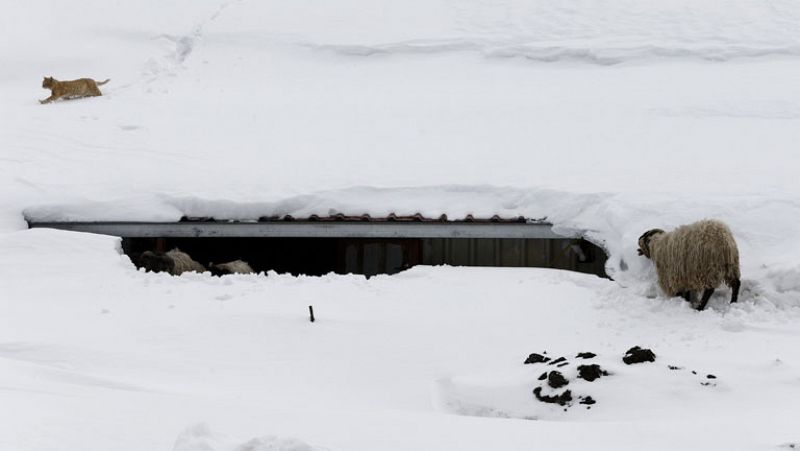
column 339, row 226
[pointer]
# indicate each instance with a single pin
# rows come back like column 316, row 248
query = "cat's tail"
column 101, row 83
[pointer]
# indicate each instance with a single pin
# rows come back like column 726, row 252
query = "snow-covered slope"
column 611, row 117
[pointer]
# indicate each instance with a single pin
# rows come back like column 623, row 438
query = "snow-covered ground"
column 611, row 117
column 106, row 357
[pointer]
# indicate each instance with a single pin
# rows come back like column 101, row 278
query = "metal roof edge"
column 312, row 229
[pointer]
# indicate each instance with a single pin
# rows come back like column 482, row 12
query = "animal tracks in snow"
column 180, row 47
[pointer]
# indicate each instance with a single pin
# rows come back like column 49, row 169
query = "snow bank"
column 50, row 253
column 200, row 438
column 545, row 31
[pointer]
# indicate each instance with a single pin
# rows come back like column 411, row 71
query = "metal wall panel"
column 513, row 253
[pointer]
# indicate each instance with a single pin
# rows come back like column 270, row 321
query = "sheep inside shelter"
column 174, row 262
column 372, row 256
column 234, row 267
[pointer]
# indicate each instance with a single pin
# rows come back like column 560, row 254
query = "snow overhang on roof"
column 338, row 226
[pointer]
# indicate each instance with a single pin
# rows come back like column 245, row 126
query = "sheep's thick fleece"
column 695, row 257
column 234, row 267
column 183, row 263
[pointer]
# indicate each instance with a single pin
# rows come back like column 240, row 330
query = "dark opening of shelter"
column 371, row 256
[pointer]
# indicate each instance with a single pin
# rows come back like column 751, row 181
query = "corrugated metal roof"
column 392, row 217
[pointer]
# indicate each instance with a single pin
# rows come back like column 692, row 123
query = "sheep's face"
column 218, row 270
column 644, row 241
column 154, row 262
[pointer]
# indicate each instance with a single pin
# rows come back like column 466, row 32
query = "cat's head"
column 48, row 82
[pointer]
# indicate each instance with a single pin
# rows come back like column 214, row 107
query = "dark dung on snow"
column 591, row 372
column 536, row 358
column 558, row 360
column 561, row 399
column 556, row 380
column 638, row 355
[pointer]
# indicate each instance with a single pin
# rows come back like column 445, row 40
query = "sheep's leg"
column 706, row 296
column 735, row 284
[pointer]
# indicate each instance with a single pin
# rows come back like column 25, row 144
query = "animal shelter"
column 357, row 244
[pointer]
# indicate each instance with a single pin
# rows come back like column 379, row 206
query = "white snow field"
column 606, row 117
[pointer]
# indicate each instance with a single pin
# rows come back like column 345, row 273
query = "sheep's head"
column 217, row 270
column 644, row 241
column 156, row 262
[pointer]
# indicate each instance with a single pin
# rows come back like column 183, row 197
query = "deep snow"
column 110, row 357
column 605, row 117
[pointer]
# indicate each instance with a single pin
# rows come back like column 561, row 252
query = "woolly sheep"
column 174, row 262
column 155, row 262
column 694, row 257
column 234, row 267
